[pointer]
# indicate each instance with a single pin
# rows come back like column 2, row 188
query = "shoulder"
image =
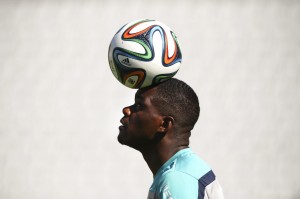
column 176, row 184
column 185, row 165
column 191, row 164
column 186, row 176
column 181, row 178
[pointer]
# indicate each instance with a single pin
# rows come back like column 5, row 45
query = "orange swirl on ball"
column 168, row 59
column 140, row 74
column 128, row 35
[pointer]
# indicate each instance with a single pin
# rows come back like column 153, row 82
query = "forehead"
column 145, row 93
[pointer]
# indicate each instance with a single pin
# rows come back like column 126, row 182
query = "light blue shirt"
column 185, row 176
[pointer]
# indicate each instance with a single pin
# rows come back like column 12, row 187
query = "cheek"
column 143, row 121
column 140, row 125
column 146, row 126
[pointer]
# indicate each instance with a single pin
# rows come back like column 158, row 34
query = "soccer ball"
column 143, row 53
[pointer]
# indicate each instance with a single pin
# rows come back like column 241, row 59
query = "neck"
column 157, row 156
column 160, row 151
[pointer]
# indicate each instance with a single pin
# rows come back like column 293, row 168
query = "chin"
column 121, row 139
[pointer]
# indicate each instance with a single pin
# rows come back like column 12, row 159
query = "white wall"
column 60, row 105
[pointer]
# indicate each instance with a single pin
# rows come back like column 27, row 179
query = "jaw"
column 139, row 144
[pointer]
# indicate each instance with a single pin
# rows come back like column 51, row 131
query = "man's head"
column 171, row 106
column 177, row 99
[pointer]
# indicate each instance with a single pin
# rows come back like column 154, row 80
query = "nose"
column 126, row 111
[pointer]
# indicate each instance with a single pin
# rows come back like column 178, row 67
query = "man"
column 159, row 125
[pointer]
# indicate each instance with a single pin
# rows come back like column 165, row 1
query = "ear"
column 166, row 124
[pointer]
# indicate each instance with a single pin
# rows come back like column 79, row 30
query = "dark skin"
column 158, row 137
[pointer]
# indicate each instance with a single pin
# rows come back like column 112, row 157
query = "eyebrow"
column 138, row 96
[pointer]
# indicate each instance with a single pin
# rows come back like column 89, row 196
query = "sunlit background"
column 60, row 105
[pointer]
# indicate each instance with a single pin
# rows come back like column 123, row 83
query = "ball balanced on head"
column 143, row 53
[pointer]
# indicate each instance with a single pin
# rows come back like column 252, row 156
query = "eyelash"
column 138, row 106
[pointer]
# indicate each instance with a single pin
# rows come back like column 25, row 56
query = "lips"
column 124, row 124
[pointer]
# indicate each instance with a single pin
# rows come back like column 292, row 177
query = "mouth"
column 123, row 126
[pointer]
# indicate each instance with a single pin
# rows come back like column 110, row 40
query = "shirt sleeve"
column 213, row 191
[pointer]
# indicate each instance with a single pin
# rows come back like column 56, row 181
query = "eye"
column 139, row 106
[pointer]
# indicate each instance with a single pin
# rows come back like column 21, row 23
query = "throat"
column 156, row 158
